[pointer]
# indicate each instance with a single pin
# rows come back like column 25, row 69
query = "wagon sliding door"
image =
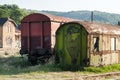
column 35, row 35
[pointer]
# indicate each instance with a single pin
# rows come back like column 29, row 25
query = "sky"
column 110, row 6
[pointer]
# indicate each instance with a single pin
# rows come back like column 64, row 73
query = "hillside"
column 98, row 16
column 16, row 13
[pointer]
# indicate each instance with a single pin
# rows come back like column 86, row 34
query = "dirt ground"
column 56, row 76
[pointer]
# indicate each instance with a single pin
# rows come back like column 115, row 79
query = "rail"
column 101, row 76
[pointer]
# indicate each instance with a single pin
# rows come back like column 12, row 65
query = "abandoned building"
column 9, row 36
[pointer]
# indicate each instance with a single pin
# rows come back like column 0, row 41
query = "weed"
column 106, row 68
column 13, row 65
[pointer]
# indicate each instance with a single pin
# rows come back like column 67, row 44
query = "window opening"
column 113, row 43
column 96, row 44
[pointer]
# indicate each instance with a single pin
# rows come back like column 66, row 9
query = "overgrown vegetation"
column 17, row 65
column 103, row 69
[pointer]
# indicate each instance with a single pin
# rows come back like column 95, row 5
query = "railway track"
column 108, row 76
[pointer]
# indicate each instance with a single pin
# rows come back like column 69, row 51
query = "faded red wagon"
column 38, row 35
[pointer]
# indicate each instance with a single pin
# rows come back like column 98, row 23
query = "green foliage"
column 4, row 13
column 13, row 12
column 16, row 15
column 107, row 68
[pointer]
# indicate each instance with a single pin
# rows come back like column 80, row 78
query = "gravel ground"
column 57, row 76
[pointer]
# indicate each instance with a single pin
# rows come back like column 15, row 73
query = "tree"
column 13, row 12
column 16, row 15
column 4, row 13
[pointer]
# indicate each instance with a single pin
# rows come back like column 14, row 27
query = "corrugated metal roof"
column 59, row 18
column 100, row 28
column 51, row 17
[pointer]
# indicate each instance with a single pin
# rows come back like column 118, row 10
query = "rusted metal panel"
column 98, row 28
column 36, row 34
column 60, row 19
column 41, row 28
column 33, row 28
column 46, row 17
column 109, row 40
column 35, row 17
column 105, row 37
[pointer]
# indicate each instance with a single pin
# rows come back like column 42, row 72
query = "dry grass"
column 13, row 67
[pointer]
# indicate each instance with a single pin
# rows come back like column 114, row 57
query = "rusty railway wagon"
column 38, row 35
column 87, row 44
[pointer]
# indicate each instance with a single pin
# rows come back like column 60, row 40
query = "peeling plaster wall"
column 105, row 55
column 95, row 60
